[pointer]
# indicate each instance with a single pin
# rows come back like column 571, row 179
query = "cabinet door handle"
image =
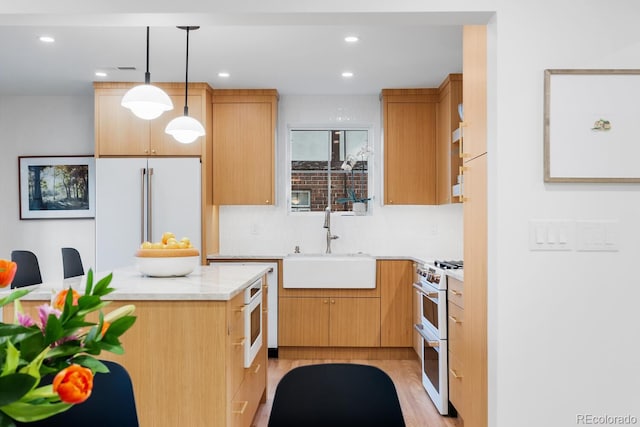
column 255, row 371
column 243, row 407
column 456, row 293
column 240, row 309
column 266, row 202
column 454, row 320
column 455, row 374
column 324, row 301
column 333, row 301
column 240, row 343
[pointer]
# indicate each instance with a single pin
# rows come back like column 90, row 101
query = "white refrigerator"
column 138, row 199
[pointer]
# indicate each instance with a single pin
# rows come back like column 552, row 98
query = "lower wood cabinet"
column 394, row 278
column 456, row 341
column 329, row 322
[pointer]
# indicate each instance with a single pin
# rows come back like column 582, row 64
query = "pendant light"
column 147, row 101
column 185, row 129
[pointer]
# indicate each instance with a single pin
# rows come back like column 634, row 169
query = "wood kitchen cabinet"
column 456, row 341
column 474, row 357
column 329, row 322
column 409, row 122
column 118, row 132
column 244, row 125
column 394, row 278
column 447, row 153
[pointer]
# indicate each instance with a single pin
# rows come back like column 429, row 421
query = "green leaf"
column 53, row 331
column 89, row 288
column 120, row 326
column 115, row 349
column 92, row 363
column 102, row 287
column 10, row 329
column 25, row 412
column 12, row 358
column 14, row 386
column 65, row 349
column 31, row 346
column 14, row 296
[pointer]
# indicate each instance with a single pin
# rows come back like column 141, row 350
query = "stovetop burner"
column 449, row 265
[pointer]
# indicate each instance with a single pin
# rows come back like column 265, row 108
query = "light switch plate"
column 551, row 235
column 597, row 236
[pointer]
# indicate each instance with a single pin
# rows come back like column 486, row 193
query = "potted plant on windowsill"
column 359, row 204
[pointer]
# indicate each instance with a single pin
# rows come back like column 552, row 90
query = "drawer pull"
column 454, row 320
column 240, row 411
column 456, row 293
column 240, row 343
column 240, row 309
column 255, row 371
column 455, row 374
column 265, row 287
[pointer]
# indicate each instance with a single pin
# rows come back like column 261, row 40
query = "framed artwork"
column 57, row 187
column 591, row 126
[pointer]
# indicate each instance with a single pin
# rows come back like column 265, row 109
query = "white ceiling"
column 307, row 57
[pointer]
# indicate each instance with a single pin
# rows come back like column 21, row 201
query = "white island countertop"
column 213, row 283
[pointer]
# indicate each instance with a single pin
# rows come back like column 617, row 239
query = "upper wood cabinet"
column 244, row 125
column 474, row 90
column 447, row 155
column 118, row 132
column 409, row 122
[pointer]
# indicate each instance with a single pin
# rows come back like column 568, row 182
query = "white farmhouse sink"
column 332, row 271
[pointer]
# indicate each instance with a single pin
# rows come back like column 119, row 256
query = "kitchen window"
column 329, row 167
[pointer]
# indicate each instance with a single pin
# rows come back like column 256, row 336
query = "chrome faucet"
column 327, row 225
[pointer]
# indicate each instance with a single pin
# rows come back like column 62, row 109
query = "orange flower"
column 58, row 302
column 105, row 326
column 73, row 384
column 7, row 272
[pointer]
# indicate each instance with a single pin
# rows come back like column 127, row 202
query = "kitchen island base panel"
column 348, row 353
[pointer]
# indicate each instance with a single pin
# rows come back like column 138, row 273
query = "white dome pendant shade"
column 146, row 101
column 185, row 129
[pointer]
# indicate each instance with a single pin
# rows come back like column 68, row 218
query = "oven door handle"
column 430, row 342
column 433, row 296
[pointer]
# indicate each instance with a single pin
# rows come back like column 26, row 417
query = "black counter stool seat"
column 336, row 394
column 28, row 272
column 71, row 263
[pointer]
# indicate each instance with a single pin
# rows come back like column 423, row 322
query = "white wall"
column 43, row 126
column 425, row 231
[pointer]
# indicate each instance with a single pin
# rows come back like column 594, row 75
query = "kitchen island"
column 185, row 353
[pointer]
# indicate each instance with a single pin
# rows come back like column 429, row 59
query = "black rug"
column 336, row 394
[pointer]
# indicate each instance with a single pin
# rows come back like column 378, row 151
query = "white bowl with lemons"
column 168, row 258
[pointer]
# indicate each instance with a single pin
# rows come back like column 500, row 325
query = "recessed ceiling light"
column 351, row 39
column 101, row 74
column 223, row 74
column 47, row 39
column 347, row 74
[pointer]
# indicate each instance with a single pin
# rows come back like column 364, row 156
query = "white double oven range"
column 431, row 286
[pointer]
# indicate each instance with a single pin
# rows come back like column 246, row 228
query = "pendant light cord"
column 147, row 74
column 186, row 79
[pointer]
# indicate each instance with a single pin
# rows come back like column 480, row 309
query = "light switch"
column 597, row 236
column 550, row 235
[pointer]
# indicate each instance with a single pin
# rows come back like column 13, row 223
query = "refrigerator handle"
column 149, row 205
column 143, row 172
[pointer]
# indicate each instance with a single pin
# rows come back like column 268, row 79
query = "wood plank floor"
column 417, row 408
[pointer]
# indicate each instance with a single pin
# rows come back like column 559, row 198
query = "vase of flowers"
column 61, row 343
column 358, row 204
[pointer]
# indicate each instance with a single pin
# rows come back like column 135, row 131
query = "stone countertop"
column 213, row 283
column 456, row 274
